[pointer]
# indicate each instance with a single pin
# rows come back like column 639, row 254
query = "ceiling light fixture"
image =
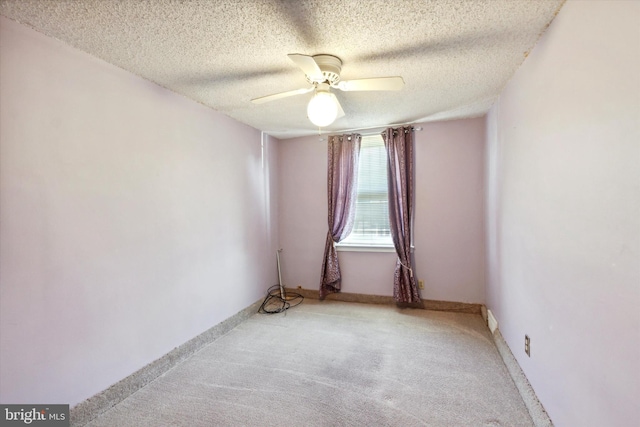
column 323, row 73
column 323, row 107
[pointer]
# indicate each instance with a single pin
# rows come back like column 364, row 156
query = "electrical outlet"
column 527, row 345
column 421, row 284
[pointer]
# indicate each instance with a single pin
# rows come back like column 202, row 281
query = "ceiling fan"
column 323, row 73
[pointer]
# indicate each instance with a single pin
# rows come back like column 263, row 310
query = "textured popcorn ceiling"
column 454, row 55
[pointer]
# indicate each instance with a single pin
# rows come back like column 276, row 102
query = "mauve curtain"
column 342, row 177
column 400, row 174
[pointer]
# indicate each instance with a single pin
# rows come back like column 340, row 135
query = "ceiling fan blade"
column 280, row 95
column 340, row 110
column 376, row 83
column 308, row 65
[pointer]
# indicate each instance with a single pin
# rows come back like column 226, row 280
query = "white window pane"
column 371, row 226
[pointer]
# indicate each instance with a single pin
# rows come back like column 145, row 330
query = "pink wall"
column 132, row 219
column 563, row 155
column 449, row 228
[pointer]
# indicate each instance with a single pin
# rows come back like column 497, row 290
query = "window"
column 371, row 226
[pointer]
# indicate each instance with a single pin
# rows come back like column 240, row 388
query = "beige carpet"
column 336, row 364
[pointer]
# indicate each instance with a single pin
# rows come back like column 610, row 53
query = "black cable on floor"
column 275, row 303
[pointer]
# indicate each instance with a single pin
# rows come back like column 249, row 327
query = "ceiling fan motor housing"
column 330, row 66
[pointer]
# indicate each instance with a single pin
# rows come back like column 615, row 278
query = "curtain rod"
column 417, row 128
column 377, row 130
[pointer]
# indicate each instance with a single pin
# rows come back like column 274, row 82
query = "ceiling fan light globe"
column 322, row 109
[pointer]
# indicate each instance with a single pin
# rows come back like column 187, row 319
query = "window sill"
column 364, row 248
